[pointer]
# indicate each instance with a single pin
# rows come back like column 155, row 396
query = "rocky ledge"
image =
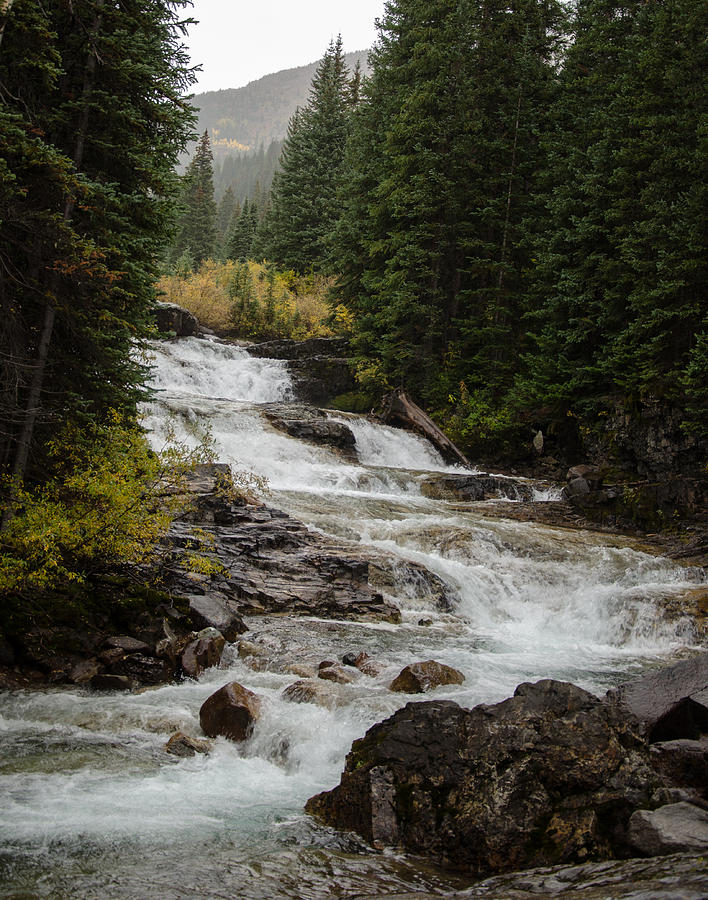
column 552, row 775
column 267, row 562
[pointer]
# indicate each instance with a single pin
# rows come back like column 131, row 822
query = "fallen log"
column 398, row 409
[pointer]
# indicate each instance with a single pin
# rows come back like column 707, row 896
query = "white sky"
column 238, row 41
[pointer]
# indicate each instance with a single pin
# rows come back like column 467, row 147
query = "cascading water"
column 94, row 808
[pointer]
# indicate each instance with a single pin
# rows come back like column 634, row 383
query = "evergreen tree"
column 197, row 225
column 92, row 123
column 240, row 240
column 622, row 259
column 225, row 214
column 441, row 166
column 304, row 196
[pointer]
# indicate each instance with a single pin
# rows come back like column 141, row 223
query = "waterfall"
column 89, row 794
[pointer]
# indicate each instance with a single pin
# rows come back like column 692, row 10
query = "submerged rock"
column 417, row 678
column 231, row 712
column 310, row 690
column 183, row 745
column 551, row 775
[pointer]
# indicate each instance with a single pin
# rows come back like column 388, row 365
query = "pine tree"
column 197, row 225
column 304, row 195
column 93, row 122
column 622, row 259
column 441, row 167
column 224, row 215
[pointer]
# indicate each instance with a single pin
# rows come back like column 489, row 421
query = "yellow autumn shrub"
column 252, row 300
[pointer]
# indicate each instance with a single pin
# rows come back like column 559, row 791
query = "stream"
column 93, row 807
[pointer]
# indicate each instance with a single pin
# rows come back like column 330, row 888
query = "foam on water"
column 94, row 807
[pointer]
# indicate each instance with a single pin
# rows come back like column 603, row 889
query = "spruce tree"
column 622, row 259
column 93, row 121
column 197, row 225
column 441, row 167
column 304, row 196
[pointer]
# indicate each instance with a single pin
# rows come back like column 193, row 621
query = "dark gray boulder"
column 551, row 775
column 671, row 703
column 173, row 318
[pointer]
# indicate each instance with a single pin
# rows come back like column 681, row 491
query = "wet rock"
column 349, row 659
column 217, row 611
column 312, row 425
column 551, row 775
column 425, row 623
column 173, row 318
column 470, row 488
column 671, row 703
column 203, row 652
column 368, row 666
column 288, row 349
column 301, row 670
column 147, row 670
column 336, row 673
column 676, row 828
column 183, row 745
column 231, row 712
column 420, row 677
column 107, row 682
column 677, row 877
column 84, row 671
column 127, row 644
column 310, row 690
column 7, row 653
column 683, row 762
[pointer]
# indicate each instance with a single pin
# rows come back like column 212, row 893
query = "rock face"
column 232, row 712
column 171, row 317
column 551, row 775
column 272, row 563
column 319, row 367
column 312, row 425
column 420, row 677
column 671, row 703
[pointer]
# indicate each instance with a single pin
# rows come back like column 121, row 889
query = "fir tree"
column 304, row 196
column 441, row 167
column 197, row 225
column 622, row 258
column 93, row 122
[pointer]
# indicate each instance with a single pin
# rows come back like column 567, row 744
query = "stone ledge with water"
column 93, row 806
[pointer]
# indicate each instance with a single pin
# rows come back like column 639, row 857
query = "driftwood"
column 397, row 408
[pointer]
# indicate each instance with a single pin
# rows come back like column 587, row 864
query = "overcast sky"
column 237, row 42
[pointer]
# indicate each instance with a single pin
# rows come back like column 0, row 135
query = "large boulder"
column 312, row 425
column 417, row 678
column 203, row 652
column 674, row 828
column 548, row 776
column 231, row 712
column 173, row 318
column 671, row 703
column 214, row 610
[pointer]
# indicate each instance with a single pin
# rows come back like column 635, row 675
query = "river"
column 93, row 807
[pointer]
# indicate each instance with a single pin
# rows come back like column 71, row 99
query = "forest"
column 505, row 217
column 509, row 210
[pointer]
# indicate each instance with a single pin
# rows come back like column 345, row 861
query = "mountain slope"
column 239, row 119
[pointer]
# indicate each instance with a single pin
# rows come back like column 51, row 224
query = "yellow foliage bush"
column 253, row 301
column 109, row 501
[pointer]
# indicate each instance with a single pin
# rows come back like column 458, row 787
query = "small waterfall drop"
column 91, row 797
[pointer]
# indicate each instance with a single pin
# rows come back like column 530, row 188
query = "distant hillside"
column 241, row 119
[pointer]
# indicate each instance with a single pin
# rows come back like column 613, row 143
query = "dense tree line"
column 92, row 121
column 522, row 231
column 511, row 204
